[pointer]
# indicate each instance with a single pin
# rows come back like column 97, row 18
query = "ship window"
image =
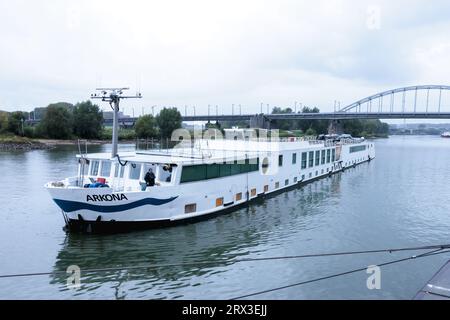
column 294, row 158
column 135, row 171
column 266, row 188
column 253, row 193
column 239, row 196
column 333, row 155
column 106, row 169
column 265, row 165
column 219, row 202
column 119, row 170
column 190, row 208
column 280, row 160
column 286, row 182
column 235, row 168
column 311, row 159
column 295, row 180
column 303, row 177
column 246, row 167
column 212, row 171
column 277, row 185
column 193, row 173
column 317, row 158
column 323, row 156
column 94, row 168
column 357, row 148
column 254, row 164
column 225, row 170
column 328, row 155
column 304, row 159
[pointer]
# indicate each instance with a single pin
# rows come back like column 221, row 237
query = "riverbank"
column 53, row 142
column 15, row 143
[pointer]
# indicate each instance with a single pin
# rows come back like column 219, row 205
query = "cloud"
column 219, row 52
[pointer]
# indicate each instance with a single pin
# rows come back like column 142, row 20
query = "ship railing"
column 83, row 161
column 332, row 143
column 188, row 149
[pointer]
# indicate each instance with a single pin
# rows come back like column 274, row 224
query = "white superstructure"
column 192, row 182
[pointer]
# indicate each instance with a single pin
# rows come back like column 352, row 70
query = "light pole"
column 240, row 110
column 295, row 106
column 153, row 110
column 232, row 109
column 194, row 110
column 113, row 96
column 261, row 107
column 217, row 110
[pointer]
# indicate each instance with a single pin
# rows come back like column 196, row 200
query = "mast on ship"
column 113, row 96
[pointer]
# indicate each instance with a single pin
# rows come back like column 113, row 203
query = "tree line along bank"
column 85, row 120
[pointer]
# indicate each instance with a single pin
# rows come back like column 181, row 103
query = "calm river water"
column 401, row 199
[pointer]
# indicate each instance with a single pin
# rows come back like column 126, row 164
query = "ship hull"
column 79, row 225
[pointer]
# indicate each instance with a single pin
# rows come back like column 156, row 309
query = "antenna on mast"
column 113, row 97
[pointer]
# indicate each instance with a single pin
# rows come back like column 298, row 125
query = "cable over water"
column 427, row 254
column 213, row 263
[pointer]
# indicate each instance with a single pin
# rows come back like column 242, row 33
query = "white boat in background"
column 194, row 181
column 445, row 134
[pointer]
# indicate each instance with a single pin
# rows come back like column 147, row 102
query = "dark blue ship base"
column 109, row 227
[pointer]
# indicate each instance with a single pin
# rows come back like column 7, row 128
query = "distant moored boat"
column 446, row 134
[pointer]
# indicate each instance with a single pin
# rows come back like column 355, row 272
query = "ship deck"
column 438, row 288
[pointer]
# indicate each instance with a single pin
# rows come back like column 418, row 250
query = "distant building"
column 108, row 115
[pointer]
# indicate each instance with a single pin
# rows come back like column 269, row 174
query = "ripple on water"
column 400, row 199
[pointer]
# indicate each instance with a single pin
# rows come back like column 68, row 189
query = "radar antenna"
column 113, row 96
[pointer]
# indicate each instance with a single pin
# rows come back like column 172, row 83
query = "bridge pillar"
column 335, row 127
column 259, row 121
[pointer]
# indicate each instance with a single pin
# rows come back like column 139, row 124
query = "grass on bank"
column 8, row 138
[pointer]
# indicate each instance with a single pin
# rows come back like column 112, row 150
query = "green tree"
column 87, row 120
column 365, row 128
column 57, row 122
column 319, row 126
column 3, row 121
column 15, row 121
column 168, row 120
column 283, row 124
column 146, row 127
column 310, row 132
column 38, row 113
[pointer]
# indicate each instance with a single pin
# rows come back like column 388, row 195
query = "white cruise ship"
column 110, row 194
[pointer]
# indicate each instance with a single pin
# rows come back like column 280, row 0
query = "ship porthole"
column 265, row 165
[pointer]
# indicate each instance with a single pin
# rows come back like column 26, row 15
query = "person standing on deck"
column 150, row 178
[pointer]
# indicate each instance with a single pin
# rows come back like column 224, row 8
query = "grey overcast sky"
column 220, row 52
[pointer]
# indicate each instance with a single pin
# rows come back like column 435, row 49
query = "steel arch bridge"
column 376, row 103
